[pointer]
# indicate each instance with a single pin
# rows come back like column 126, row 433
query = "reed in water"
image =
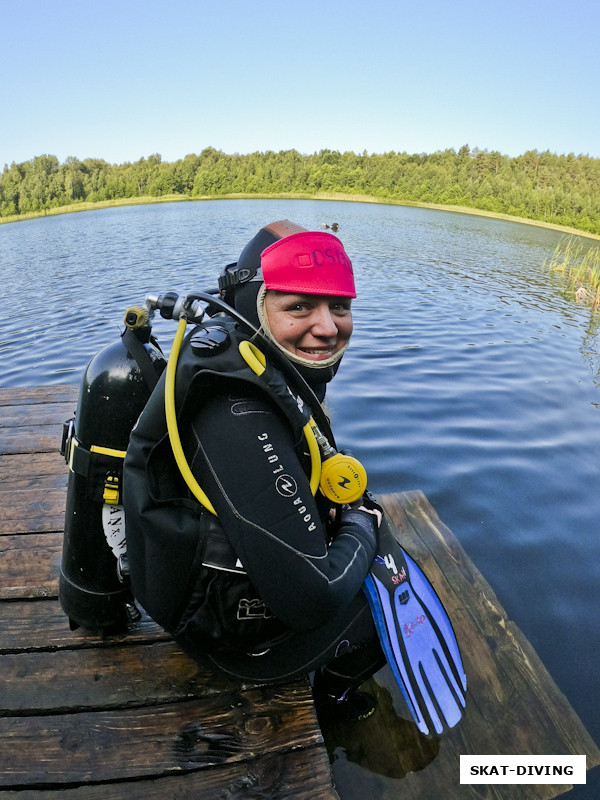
column 580, row 264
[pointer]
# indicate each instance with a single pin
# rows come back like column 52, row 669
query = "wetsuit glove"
column 369, row 502
column 363, row 524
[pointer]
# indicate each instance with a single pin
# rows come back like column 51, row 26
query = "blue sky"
column 123, row 79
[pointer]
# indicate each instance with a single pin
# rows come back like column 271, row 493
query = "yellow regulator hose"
column 171, row 416
column 340, row 477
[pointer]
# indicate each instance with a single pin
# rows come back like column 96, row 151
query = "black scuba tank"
column 94, row 590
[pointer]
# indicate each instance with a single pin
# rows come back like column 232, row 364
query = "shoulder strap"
column 141, row 357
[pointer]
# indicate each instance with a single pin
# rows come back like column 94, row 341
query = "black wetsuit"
column 289, row 597
column 308, row 571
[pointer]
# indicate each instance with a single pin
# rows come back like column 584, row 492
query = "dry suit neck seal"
column 315, row 373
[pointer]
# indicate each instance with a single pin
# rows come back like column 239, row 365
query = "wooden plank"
column 141, row 692
column 31, row 439
column 293, row 775
column 158, row 740
column 513, row 705
column 34, row 510
column 103, row 678
column 19, row 395
column 129, row 716
column 18, row 472
column 30, row 565
column 16, row 416
column 385, row 744
column 29, row 626
column 521, row 676
column 32, row 422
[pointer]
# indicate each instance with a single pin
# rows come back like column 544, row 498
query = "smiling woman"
column 209, row 580
column 311, row 328
column 304, row 305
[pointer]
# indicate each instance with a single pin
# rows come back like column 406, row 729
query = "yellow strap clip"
column 112, row 492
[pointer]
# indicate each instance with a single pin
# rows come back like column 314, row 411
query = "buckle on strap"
column 101, row 467
column 67, row 438
column 234, row 277
column 112, row 492
column 78, row 457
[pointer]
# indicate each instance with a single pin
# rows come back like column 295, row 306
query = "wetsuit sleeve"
column 244, row 458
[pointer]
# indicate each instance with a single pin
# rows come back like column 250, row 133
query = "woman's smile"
column 314, row 327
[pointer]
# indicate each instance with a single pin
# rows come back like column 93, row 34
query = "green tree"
column 563, row 189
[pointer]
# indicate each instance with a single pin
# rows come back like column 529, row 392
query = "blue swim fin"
column 416, row 636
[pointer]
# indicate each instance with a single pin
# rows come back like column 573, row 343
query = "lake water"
column 472, row 376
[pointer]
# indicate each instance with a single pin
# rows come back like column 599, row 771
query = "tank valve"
column 136, row 317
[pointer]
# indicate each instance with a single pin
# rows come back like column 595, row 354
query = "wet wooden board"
column 131, row 716
column 127, row 716
column 513, row 704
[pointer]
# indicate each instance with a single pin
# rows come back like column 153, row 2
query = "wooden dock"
column 133, row 717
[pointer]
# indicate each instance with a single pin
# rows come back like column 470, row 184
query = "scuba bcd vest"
column 183, row 569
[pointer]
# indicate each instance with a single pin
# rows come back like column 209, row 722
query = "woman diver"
column 268, row 587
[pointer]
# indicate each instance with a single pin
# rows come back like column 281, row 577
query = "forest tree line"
column 561, row 189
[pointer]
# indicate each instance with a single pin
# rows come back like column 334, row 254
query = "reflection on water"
column 472, row 376
column 589, row 347
column 381, row 749
column 369, row 758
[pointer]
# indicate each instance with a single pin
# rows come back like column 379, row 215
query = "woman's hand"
column 375, row 511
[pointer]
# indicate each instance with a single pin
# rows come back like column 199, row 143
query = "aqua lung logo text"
column 304, row 513
column 272, row 457
column 285, row 485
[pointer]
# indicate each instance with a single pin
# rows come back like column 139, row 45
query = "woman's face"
column 311, row 326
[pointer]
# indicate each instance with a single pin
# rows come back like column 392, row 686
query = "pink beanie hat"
column 309, row 262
